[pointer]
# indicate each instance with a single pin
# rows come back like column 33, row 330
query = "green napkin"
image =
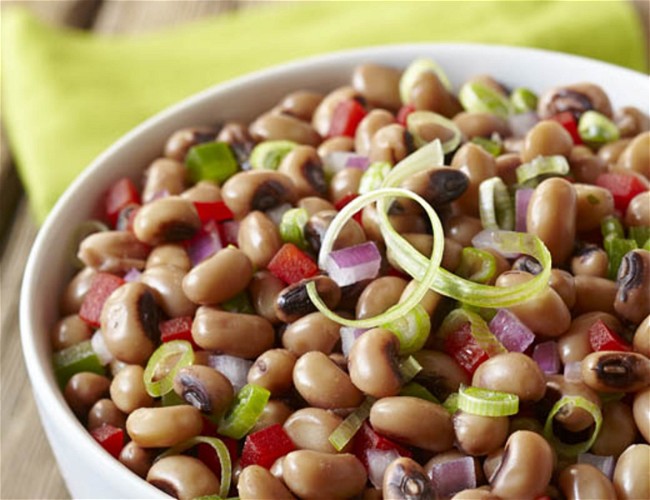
column 67, row 95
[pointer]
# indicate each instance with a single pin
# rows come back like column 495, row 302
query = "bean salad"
column 395, row 290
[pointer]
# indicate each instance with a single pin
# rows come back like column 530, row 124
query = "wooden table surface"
column 27, row 466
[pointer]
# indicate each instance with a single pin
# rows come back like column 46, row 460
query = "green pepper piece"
column 211, row 161
column 76, row 359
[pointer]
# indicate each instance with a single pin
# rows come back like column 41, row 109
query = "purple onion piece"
column 132, row 275
column 206, row 243
column 378, row 461
column 448, row 478
column 348, row 335
column 233, row 368
column 521, row 123
column 358, row 161
column 603, row 463
column 522, row 199
column 547, row 357
column 353, row 264
column 336, row 161
column 511, row 332
column 573, row 371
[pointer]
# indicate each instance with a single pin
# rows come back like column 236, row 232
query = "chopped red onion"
column 522, row 199
column 448, row 478
column 603, row 463
column 233, row 368
column 101, row 350
column 487, row 238
column 511, row 332
column 229, row 232
column 276, row 213
column 547, row 357
column 378, row 461
column 521, row 123
column 352, row 264
column 573, row 371
column 205, row 243
column 348, row 335
column 358, row 161
column 336, row 161
column 132, row 275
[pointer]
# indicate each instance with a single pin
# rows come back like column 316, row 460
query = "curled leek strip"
column 222, row 453
column 478, row 329
column 572, row 450
column 495, row 205
column 161, row 356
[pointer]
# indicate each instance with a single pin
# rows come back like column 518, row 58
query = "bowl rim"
column 41, row 377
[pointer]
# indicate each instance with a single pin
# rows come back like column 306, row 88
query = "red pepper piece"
column 346, row 118
column 266, row 446
column 177, row 329
column 344, row 201
column 111, row 438
column 603, row 338
column 291, row 264
column 367, row 439
column 622, row 186
column 568, row 121
column 102, row 285
column 213, row 210
column 403, row 114
column 120, row 194
column 461, row 346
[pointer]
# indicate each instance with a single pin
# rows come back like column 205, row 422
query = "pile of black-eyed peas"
column 192, row 348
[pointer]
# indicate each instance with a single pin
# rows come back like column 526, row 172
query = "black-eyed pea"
column 237, row 136
column 632, row 300
column 300, row 104
column 562, row 282
column 638, row 211
column 462, row 228
column 481, row 125
column 276, row 411
column 616, row 371
column 477, row 435
column 273, row 370
column 482, row 493
column 163, row 177
column 378, row 84
column 310, row 428
column 113, row 251
column 303, row 474
column 257, row 190
column 440, row 373
column 203, row 191
column 501, row 263
column 103, row 412
column 379, row 295
column 314, row 204
column 547, row 138
column 169, row 254
column 322, row 118
column 405, row 479
column 313, row 332
column 576, row 98
column 571, row 417
column 631, row 479
column 277, row 468
column 264, row 289
column 429, row 94
column 256, row 482
column 526, row 468
column 180, row 142
column 511, row 372
column 373, row 363
column 75, row 291
column 279, row 127
column 585, row 165
column 167, row 219
column 129, row 323
column 506, row 166
column 439, row 186
column 585, row 481
column 391, row 144
column 430, row 300
column 242, row 335
column 636, row 156
column 641, row 412
column 293, row 302
column 83, row 390
column 344, row 183
column 368, row 126
column 166, row 283
column 641, row 339
column 534, row 313
column 335, row 144
column 137, row 459
column 258, row 237
column 163, row 426
column 478, row 165
column 69, row 331
column 414, row 422
column 590, row 260
column 351, row 234
column 619, row 428
column 323, row 384
column 573, row 345
column 610, row 152
column 593, row 204
column 219, row 277
column 183, row 477
column 631, row 121
column 493, row 460
column 128, row 391
column 204, row 388
column 305, row 168
column 551, row 217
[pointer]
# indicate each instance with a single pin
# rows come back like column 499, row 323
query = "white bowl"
column 88, row 471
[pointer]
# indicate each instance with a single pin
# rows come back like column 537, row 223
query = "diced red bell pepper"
column 126, row 217
column 403, row 114
column 177, row 329
column 367, row 439
column 291, row 264
column 266, row 446
column 568, row 121
column 102, row 285
column 213, row 210
column 120, row 194
column 603, row 338
column 461, row 346
column 346, row 118
column 207, row 454
column 344, row 201
column 622, row 186
column 111, row 438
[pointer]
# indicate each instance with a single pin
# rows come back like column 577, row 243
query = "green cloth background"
column 67, row 94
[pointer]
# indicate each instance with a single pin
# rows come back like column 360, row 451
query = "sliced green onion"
column 572, row 450
column 415, row 390
column 76, row 359
column 646, row 245
column 616, row 249
column 222, row 453
column 172, row 399
column 594, row 127
column 346, row 430
column 82, row 231
column 487, row 403
column 412, row 329
column 523, row 100
column 211, row 161
column 268, row 155
column 292, row 227
column 640, row 234
column 419, row 123
column 412, row 74
column 182, row 349
column 373, row 177
column 476, row 265
column 495, row 205
column 491, row 146
column 409, row 368
column 240, row 303
column 451, row 403
column 610, row 226
column 479, row 330
column 479, row 98
column 542, row 166
column 244, row 412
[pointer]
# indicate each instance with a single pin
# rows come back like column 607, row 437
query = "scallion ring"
column 542, row 166
column 476, row 265
column 495, row 205
column 346, row 430
column 487, row 403
column 418, row 122
column 246, row 409
column 167, row 350
column 573, row 450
